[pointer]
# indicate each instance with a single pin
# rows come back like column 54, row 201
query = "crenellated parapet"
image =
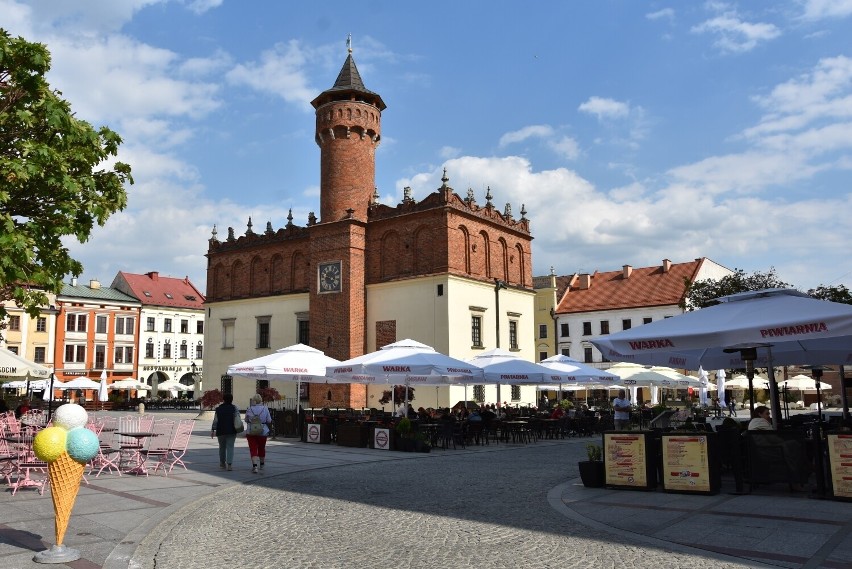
column 445, row 196
column 251, row 239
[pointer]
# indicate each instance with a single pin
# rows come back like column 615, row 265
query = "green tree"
column 701, row 294
column 837, row 293
column 55, row 177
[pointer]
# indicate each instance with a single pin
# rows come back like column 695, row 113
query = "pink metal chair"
column 24, row 464
column 176, row 448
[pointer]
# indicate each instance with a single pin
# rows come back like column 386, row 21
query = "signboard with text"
column 314, row 433
column 687, row 463
column 629, row 460
column 381, row 439
column 840, row 464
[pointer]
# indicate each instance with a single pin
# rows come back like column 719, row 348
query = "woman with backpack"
column 258, row 420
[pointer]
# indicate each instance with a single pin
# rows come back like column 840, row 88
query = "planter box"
column 592, row 473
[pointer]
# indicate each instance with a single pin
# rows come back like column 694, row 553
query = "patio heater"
column 816, row 372
column 748, row 355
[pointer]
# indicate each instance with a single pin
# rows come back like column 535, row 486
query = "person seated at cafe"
column 487, row 414
column 22, row 409
column 401, row 410
column 3, row 407
column 557, row 413
column 447, row 416
column 793, row 451
column 423, row 414
column 475, row 416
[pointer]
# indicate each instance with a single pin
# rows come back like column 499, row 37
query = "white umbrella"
column 797, row 328
column 128, row 383
column 171, row 385
column 720, row 388
column 13, row 366
column 78, row 383
column 777, row 326
column 298, row 363
column 705, row 385
column 503, row 367
column 576, row 373
column 406, row 362
column 102, row 387
column 805, row 383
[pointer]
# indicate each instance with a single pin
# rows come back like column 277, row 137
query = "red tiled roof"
column 154, row 290
column 646, row 286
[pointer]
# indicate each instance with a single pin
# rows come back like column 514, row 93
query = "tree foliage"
column 838, row 293
column 398, row 395
column 55, row 177
column 701, row 294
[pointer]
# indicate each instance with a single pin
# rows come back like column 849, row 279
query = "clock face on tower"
column 329, row 277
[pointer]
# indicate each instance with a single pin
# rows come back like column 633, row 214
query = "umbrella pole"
column 774, row 399
column 844, row 401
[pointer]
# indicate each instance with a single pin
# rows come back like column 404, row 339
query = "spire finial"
column 444, row 178
column 349, row 43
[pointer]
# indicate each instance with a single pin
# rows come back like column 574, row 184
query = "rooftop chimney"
column 73, row 281
column 585, row 281
column 666, row 265
column 153, row 275
column 94, row 284
column 627, row 270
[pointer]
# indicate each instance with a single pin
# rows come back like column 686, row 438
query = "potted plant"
column 592, row 470
column 405, row 431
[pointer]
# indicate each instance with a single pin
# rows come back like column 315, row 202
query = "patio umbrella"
column 13, row 366
column 78, row 383
column 298, row 363
column 577, row 373
column 634, row 375
column 406, row 362
column 102, row 388
column 171, row 385
column 128, row 383
column 805, row 383
column 781, row 326
column 503, row 367
column 705, row 386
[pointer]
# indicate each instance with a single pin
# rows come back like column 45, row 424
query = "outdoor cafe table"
column 135, row 451
column 512, row 430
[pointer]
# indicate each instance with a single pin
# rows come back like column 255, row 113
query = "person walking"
column 732, row 407
column 224, row 430
column 258, row 420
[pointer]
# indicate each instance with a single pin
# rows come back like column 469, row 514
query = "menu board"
column 686, row 464
column 840, row 463
column 381, row 439
column 625, row 459
column 314, row 433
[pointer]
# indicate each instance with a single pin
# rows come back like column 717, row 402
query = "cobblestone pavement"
column 443, row 509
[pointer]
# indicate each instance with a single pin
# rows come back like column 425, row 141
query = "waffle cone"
column 65, row 474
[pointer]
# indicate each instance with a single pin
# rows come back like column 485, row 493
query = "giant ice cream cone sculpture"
column 66, row 447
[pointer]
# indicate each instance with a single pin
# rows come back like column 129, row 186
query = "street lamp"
column 498, row 284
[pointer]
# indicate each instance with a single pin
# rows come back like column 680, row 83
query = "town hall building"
column 365, row 274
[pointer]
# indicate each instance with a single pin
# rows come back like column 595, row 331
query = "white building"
column 171, row 328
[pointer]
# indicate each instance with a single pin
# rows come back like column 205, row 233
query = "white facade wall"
column 284, row 312
column 174, row 367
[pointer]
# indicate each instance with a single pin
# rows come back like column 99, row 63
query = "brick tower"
column 348, row 130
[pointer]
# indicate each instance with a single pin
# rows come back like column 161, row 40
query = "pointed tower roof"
column 349, row 86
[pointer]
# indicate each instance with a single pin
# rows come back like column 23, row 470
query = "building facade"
column 97, row 331
column 597, row 304
column 171, row 329
column 365, row 274
column 32, row 338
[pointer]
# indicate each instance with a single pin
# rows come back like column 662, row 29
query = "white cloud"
column 734, row 35
column 280, row 72
column 532, row 131
column 665, row 13
column 604, row 108
column 566, row 147
column 820, row 9
column 449, row 152
column 201, row 6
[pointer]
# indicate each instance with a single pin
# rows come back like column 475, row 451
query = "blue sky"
column 630, row 131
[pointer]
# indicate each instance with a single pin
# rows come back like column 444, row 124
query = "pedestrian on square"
column 224, row 430
column 258, row 420
column 621, row 406
column 732, row 407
